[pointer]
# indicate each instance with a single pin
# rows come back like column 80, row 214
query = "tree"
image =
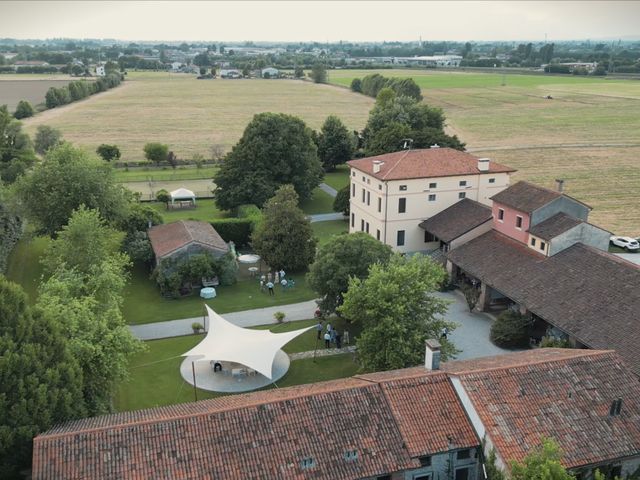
column 543, row 464
column 172, row 159
column 511, row 329
column 16, row 151
column 23, row 110
column 164, row 197
column 342, row 202
column 335, row 143
column 275, row 149
column 156, row 152
column 70, row 177
column 356, row 85
column 46, row 138
column 319, row 73
column 342, row 258
column 298, row 72
column 108, row 152
column 284, row 239
column 397, row 312
column 82, row 243
column 471, row 295
column 40, row 381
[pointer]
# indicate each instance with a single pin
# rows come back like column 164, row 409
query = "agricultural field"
column 587, row 134
column 191, row 115
column 14, row 88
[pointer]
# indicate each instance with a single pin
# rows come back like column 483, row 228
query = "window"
column 366, row 229
column 403, row 188
column 380, row 187
column 377, row 234
column 379, row 204
column 402, row 205
column 353, row 174
column 363, row 179
column 429, row 237
column 423, row 476
column 383, row 477
column 425, row 461
column 462, row 195
column 433, row 185
column 500, row 214
column 533, row 242
column 543, row 246
column 368, row 181
column 462, row 474
column 492, row 180
column 353, row 219
column 362, row 225
column 432, row 197
column 616, row 407
column 351, row 455
column 462, row 454
column 400, row 239
column 462, row 183
column 368, row 198
column 353, row 189
column 363, row 195
column 307, row 462
column 518, row 222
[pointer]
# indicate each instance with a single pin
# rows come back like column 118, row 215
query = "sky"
column 326, row 21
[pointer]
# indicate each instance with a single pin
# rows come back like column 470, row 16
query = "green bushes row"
column 372, row 84
column 77, row 90
column 238, row 230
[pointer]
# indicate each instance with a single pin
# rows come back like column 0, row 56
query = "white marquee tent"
column 182, row 194
column 227, row 342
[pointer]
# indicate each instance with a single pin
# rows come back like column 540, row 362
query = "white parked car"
column 625, row 242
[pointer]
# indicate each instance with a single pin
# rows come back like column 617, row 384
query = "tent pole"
column 204, row 316
column 195, row 389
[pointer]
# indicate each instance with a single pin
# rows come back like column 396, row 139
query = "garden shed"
column 184, row 238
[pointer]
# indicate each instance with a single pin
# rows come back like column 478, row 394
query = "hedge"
column 236, row 230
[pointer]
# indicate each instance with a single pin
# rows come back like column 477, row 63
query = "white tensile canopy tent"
column 248, row 258
column 227, row 342
column 183, row 194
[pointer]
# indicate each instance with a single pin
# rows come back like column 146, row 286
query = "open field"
column 588, row 134
column 191, row 115
column 31, row 89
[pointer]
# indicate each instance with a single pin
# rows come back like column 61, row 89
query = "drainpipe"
column 386, row 201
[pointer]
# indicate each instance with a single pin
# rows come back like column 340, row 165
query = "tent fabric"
column 227, row 342
column 182, row 193
column 248, row 258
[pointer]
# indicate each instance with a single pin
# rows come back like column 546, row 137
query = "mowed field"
column 190, row 115
column 588, row 134
column 14, row 88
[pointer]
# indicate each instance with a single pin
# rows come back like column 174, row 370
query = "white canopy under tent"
column 242, row 351
column 182, row 194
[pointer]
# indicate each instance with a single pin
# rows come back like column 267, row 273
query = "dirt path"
column 553, row 145
column 50, row 114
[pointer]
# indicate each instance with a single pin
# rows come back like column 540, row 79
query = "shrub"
column 471, row 295
column 156, row 152
column 197, row 327
column 553, row 342
column 108, row 152
column 356, row 85
column 163, row 196
column 46, row 138
column 23, row 110
column 510, row 330
column 279, row 316
column 236, row 230
column 341, row 202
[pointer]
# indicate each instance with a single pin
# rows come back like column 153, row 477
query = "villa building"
column 392, row 194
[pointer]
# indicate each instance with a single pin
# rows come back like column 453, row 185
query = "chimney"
column 432, row 355
column 483, row 164
column 377, row 164
column 560, row 183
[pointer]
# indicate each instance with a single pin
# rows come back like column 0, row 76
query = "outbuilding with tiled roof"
column 185, row 237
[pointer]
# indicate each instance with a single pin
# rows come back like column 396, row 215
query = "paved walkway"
column 246, row 318
column 325, row 217
column 330, row 190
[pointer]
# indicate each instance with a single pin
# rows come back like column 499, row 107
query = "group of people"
column 270, row 280
column 331, row 335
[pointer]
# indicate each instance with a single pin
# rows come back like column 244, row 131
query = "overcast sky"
column 321, row 21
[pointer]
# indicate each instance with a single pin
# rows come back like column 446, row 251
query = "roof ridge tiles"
column 386, row 175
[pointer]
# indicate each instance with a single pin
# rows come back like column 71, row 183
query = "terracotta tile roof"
column 566, row 399
column 527, row 197
column 590, row 294
column 424, row 163
column 169, row 237
column 458, row 219
column 429, row 414
column 554, row 226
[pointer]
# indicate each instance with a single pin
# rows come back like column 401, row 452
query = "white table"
column 208, row 292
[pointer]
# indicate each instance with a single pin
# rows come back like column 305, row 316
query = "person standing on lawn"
column 319, row 329
column 270, row 287
column 327, row 340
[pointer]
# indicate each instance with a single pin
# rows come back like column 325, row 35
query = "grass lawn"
column 144, row 304
column 155, row 376
column 205, row 210
column 24, row 264
column 191, row 115
column 320, row 202
column 339, row 178
column 325, row 230
column 163, row 174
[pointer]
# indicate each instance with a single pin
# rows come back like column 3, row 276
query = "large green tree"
column 398, row 312
column 275, row 149
column 395, row 118
column 319, row 72
column 40, row 381
column 70, row 177
column 46, row 138
column 16, row 151
column 542, row 464
column 23, row 110
column 284, row 237
column 335, row 143
column 341, row 258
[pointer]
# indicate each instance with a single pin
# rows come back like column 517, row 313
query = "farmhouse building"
column 416, row 423
column 184, row 238
column 392, row 194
